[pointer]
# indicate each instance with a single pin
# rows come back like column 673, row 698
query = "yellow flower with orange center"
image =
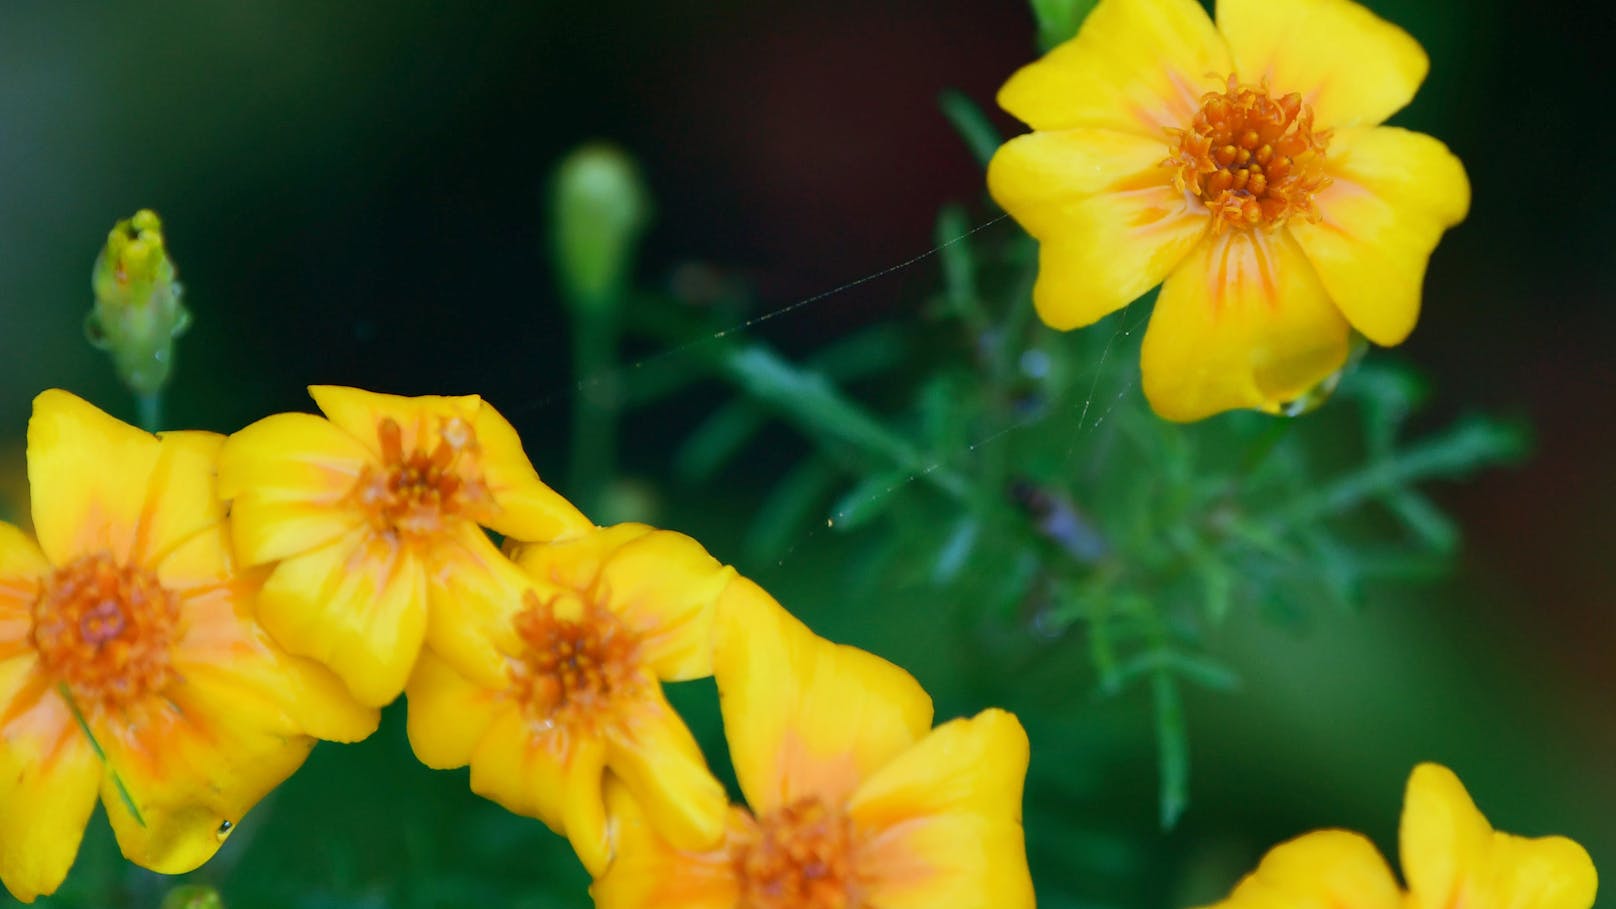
column 1451, row 857
column 855, row 801
column 130, row 667
column 368, row 514
column 562, row 689
column 1241, row 167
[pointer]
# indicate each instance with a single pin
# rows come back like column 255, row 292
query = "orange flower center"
column 1251, row 160
column 574, row 672
column 799, row 857
column 414, row 492
column 106, row 631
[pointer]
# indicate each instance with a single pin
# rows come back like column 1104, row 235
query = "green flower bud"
column 601, row 210
column 193, row 896
column 137, row 313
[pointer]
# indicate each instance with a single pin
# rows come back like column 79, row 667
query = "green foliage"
column 1027, row 486
column 1059, row 20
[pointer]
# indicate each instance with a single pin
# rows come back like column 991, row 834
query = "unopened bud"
column 601, row 210
column 137, row 313
column 193, row 896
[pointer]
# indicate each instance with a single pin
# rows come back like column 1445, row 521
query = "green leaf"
column 867, row 499
column 1172, row 749
column 717, row 440
column 784, row 513
column 956, row 550
column 972, row 124
column 1059, row 20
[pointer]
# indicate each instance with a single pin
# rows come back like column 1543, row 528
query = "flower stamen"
column 800, row 856
column 1253, row 161
column 106, row 631
column 412, row 493
column 574, row 672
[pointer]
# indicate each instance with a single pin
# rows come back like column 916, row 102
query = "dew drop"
column 1310, row 400
column 224, row 830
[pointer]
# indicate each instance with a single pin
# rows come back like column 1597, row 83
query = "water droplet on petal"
column 224, row 830
column 1310, row 400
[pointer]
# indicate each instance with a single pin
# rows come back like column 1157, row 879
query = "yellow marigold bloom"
column 369, row 513
column 1451, row 857
column 1241, row 164
column 561, row 688
column 130, row 667
column 855, row 801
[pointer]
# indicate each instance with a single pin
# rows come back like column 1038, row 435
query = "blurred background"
column 355, row 194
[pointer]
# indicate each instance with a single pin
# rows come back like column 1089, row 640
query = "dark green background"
column 353, row 195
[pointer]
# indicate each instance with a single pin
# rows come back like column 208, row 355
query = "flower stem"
column 594, row 413
column 150, row 407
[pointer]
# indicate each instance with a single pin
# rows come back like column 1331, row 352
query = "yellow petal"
column 182, row 533
column 21, row 562
column 658, row 760
column 358, row 413
column 944, row 819
column 664, row 585
column 574, row 563
column 647, row 873
column 22, row 569
column 1326, row 869
column 1353, row 67
column 88, row 474
column 1110, row 223
column 529, row 511
column 1135, row 65
column 358, row 605
column 1393, row 193
column 474, row 591
column 448, row 714
column 48, row 776
column 1452, row 856
column 192, row 763
column 224, row 649
column 1243, row 322
column 289, row 475
column 805, row 717
column 548, row 775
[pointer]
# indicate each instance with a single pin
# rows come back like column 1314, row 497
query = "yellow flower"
column 1451, row 857
column 557, row 687
column 129, row 664
column 854, row 799
column 369, row 513
column 1241, row 164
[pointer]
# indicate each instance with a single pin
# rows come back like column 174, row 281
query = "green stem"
column 100, row 753
column 150, row 410
column 1472, row 444
column 594, row 412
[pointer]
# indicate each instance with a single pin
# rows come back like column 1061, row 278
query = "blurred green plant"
column 1028, row 487
column 600, row 210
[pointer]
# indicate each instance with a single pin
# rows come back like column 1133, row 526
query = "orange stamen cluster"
column 573, row 673
column 413, row 492
column 798, row 857
column 1251, row 160
column 106, row 631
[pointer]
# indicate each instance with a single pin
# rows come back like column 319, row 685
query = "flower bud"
column 193, row 896
column 601, row 210
column 137, row 313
